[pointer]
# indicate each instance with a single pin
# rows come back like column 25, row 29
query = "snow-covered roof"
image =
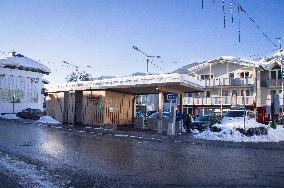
column 21, row 62
column 221, row 59
column 269, row 63
column 141, row 83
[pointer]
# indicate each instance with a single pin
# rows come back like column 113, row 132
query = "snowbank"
column 274, row 135
column 238, row 122
column 48, row 120
column 9, row 116
column 229, row 133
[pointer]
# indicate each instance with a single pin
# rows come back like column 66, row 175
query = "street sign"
column 171, row 96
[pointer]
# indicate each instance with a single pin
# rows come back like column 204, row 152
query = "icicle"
column 202, row 4
column 239, row 26
column 224, row 13
column 232, row 11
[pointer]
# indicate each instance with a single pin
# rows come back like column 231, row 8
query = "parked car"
column 157, row 115
column 203, row 122
column 235, row 115
column 30, row 113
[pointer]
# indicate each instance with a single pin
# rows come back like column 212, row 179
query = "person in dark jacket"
column 186, row 122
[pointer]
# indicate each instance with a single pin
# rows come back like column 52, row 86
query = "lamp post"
column 147, row 57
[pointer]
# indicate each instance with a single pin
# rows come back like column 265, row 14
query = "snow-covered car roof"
column 18, row 61
column 222, row 59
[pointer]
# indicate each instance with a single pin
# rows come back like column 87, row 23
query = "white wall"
column 20, row 81
column 220, row 70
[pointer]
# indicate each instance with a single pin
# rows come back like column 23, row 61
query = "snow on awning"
column 138, row 84
column 21, row 62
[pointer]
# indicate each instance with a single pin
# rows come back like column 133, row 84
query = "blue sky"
column 101, row 33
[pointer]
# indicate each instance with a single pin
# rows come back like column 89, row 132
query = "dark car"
column 203, row 122
column 30, row 113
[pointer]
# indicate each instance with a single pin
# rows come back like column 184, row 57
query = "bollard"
column 160, row 126
column 171, row 129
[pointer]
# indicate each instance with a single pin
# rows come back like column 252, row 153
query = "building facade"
column 230, row 81
column 21, row 83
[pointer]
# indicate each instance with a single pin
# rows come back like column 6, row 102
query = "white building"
column 21, row 81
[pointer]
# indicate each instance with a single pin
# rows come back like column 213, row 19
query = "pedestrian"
column 186, row 122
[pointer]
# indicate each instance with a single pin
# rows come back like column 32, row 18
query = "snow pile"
column 274, row 135
column 238, row 122
column 48, row 120
column 229, row 133
column 9, row 116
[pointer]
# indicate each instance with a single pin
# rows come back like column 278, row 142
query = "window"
column 244, row 75
column 225, row 93
column 272, row 92
column 273, row 75
column 207, row 93
column 206, row 77
column 234, row 92
column 275, row 72
column 247, row 92
column 279, row 74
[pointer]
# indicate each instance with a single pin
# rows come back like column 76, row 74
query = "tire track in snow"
column 27, row 175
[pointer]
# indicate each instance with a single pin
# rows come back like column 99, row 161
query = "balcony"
column 227, row 100
column 273, row 83
column 229, row 82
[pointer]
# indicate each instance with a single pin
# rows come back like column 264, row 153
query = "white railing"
column 229, row 82
column 226, row 100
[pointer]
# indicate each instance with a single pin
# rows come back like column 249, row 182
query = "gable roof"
column 221, row 59
column 275, row 59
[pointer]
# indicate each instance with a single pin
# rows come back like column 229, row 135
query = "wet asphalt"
column 82, row 159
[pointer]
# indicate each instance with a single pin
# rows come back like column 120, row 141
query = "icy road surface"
column 38, row 156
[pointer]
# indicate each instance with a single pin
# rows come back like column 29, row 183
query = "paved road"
column 37, row 156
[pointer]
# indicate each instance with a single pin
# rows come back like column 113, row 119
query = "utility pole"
column 281, row 64
column 147, row 57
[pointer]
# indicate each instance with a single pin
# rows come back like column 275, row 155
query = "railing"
column 229, row 82
column 227, row 100
column 272, row 82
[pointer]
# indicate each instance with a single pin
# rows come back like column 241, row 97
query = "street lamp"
column 147, row 57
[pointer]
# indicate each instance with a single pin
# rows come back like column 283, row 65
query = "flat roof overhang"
column 139, row 85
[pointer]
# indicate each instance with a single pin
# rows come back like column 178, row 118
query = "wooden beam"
column 170, row 90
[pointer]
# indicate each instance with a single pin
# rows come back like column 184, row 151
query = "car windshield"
column 204, row 118
column 36, row 110
column 235, row 114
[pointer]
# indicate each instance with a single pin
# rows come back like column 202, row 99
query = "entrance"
column 78, row 107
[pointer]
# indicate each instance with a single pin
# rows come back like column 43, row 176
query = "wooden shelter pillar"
column 161, row 104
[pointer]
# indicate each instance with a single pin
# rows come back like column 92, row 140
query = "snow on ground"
column 229, row 132
column 48, row 120
column 27, row 175
column 238, row 122
column 9, row 116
